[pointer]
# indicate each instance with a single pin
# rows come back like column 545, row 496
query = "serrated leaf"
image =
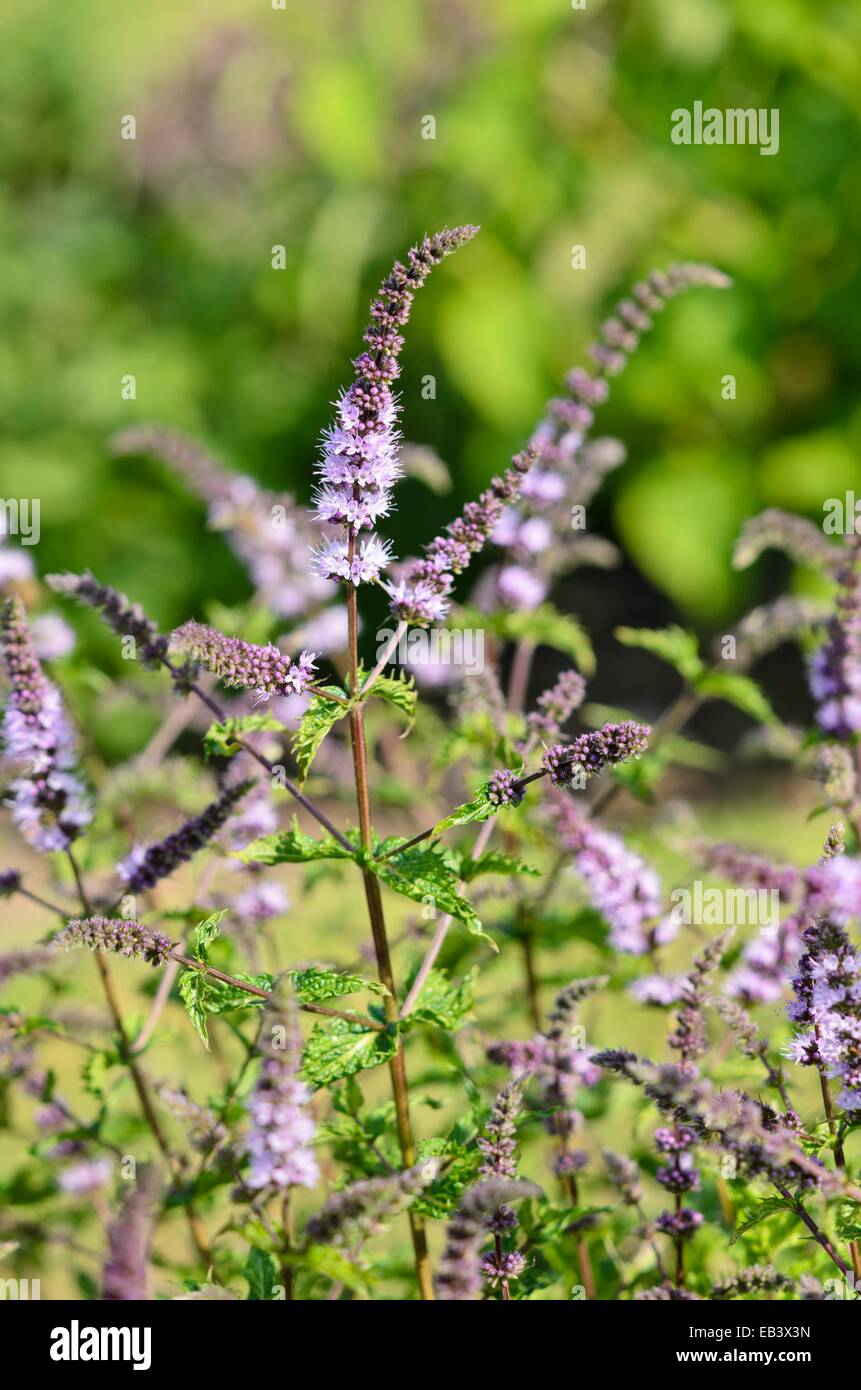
column 320, row 716
column 220, row 740
column 479, row 809
column 292, row 847
column 769, row 1206
column 334, row 1264
column 740, row 691
column 260, row 1274
column 459, row 1171
column 421, row 874
column 204, row 934
column 313, row 986
column 341, row 1049
column 222, row 998
column 493, row 862
column 546, row 626
column 443, row 1003
column 673, row 645
column 399, row 691
column 192, row 992
column 204, row 996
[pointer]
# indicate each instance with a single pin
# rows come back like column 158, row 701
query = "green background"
column 303, row 127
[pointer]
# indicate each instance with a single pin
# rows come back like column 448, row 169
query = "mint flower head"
column 48, row 800
column 279, row 1144
column 590, row 753
column 244, row 665
column 144, row 867
column 359, row 462
column 422, row 594
column 121, row 935
column 835, row 669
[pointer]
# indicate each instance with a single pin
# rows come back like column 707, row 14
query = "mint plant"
column 298, row 1174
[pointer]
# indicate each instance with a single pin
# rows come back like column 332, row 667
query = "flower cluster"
column 504, row 788
column 537, row 535
column 421, row 595
column 835, row 669
column 729, row 861
column 559, row 1076
column 754, row 1279
column 359, row 464
column 147, row 864
column 123, row 935
column 799, row 538
column 279, row 1144
column 460, row 1270
column 498, row 1146
column 48, row 801
column 362, row 1209
column 556, row 705
column 10, row 882
column 621, row 885
column 689, row 1038
column 827, row 1004
column 590, row 753
column 625, row 1176
column 244, row 665
column 126, row 1270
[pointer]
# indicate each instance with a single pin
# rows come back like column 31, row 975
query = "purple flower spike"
column 360, row 450
column 279, row 1143
column 144, row 867
column 835, row 670
column 124, row 936
column 244, row 665
column 48, row 801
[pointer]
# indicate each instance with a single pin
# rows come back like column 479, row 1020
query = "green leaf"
column 261, row 1275
column 95, row 1071
column 769, row 1206
column 740, row 691
column 342, row 1049
column 202, row 995
column 220, row 740
column 548, row 627
column 320, row 716
column 222, row 998
column 292, row 847
column 459, row 1170
column 445, row 1004
column 480, row 808
column 313, row 986
column 421, row 874
column 849, row 1220
column 493, row 862
column 334, row 1264
column 399, row 691
column 192, row 992
column 673, row 645
column 204, row 934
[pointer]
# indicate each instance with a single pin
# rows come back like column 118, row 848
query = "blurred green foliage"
column 304, row 127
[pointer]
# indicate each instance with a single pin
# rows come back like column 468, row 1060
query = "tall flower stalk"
column 358, row 469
